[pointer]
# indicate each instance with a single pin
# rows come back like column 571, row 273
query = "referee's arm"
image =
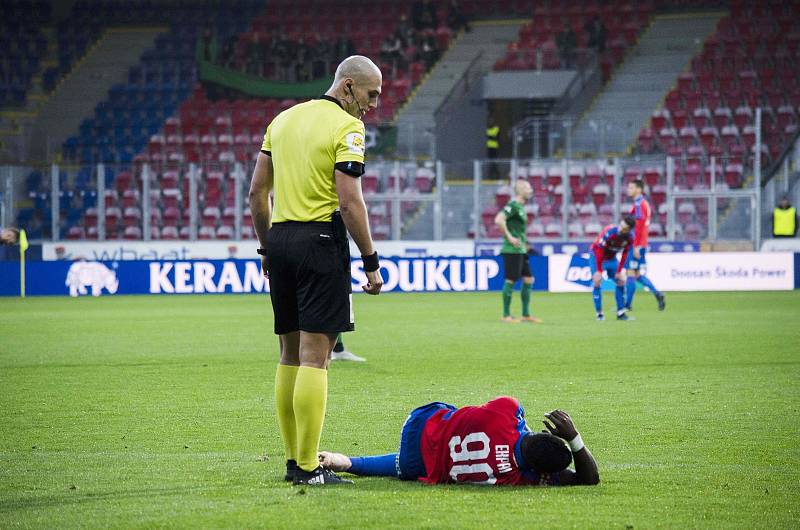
column 354, row 211
column 354, row 215
column 260, row 205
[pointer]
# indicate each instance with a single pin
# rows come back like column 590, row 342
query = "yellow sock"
column 310, row 398
column 284, row 404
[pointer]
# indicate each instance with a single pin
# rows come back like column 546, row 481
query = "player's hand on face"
column 374, row 282
column 597, row 278
column 562, row 425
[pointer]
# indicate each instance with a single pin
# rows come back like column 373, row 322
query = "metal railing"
column 192, row 201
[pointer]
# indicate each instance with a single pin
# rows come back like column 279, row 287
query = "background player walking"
column 603, row 257
column 637, row 261
column 513, row 222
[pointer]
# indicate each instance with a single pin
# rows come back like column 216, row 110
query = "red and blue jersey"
column 479, row 445
column 642, row 212
column 608, row 243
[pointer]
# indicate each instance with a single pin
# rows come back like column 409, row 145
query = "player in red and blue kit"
column 603, row 257
column 637, row 261
column 487, row 444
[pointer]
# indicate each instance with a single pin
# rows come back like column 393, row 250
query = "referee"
column 312, row 158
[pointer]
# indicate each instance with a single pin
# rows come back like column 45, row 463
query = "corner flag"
column 23, row 246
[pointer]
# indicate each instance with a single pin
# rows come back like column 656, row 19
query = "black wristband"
column 371, row 262
column 261, row 252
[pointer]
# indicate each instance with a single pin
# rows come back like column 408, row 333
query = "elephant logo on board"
column 89, row 274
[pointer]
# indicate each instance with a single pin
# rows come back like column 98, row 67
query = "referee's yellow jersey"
column 305, row 143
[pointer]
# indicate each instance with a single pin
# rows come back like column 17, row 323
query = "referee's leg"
column 311, row 395
column 285, row 378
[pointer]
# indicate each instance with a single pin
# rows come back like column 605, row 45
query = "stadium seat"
column 592, row 229
column 132, row 233
column 552, row 230
column 656, row 230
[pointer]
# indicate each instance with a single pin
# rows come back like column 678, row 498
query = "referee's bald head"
column 358, row 68
column 357, row 85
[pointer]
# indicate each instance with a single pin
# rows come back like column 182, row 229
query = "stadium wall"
column 81, row 278
column 741, row 271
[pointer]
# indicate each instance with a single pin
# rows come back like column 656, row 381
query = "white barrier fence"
column 705, row 271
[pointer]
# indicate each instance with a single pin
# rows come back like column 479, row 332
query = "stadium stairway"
column 15, row 124
column 457, row 206
column 415, row 122
column 639, row 84
column 76, row 97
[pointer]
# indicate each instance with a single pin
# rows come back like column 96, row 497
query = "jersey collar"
column 329, row 98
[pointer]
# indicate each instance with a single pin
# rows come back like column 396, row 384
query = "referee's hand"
column 264, row 267
column 374, row 282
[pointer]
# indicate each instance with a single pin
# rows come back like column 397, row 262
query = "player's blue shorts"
column 410, row 465
column 609, row 266
column 636, row 264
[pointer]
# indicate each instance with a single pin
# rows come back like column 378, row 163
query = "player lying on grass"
column 488, row 444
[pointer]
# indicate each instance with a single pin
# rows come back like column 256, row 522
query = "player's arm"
column 354, row 215
column 500, row 221
column 586, row 472
column 260, row 205
column 624, row 258
column 642, row 215
column 598, row 250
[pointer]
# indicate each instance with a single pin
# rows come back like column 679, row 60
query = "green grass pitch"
column 158, row 411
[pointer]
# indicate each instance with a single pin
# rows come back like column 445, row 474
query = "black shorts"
column 309, row 277
column 516, row 266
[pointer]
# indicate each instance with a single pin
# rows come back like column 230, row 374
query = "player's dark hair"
column 629, row 220
column 639, row 183
column 545, row 452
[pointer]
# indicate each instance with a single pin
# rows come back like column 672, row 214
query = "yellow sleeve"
column 267, row 144
column 350, row 142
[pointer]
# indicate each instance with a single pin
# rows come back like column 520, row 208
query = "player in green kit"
column 513, row 220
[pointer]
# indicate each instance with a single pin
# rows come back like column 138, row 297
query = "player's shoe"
column 532, row 319
column 662, row 304
column 510, row 319
column 601, row 317
column 291, row 470
column 623, row 315
column 345, row 355
column 628, row 308
column 319, row 477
